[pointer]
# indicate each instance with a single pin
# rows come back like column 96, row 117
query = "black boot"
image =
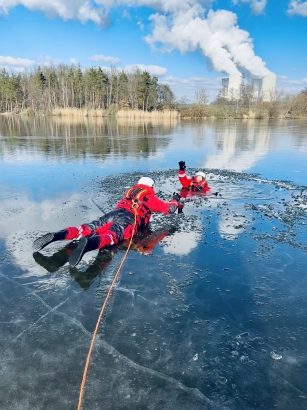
column 46, row 239
column 85, row 245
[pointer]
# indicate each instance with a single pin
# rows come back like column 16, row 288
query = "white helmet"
column 201, row 174
column 146, row 181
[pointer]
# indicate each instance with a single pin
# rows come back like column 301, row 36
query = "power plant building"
column 264, row 87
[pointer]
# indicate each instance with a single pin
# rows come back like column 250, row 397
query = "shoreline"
column 211, row 113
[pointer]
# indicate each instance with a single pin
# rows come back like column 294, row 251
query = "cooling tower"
column 257, row 85
column 232, row 86
column 265, row 87
column 268, row 87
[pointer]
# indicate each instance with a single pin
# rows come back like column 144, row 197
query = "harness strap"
column 133, row 195
column 133, row 192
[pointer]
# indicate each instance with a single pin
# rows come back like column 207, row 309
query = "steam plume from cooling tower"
column 218, row 37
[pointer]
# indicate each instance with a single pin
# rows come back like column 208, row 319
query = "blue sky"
column 189, row 44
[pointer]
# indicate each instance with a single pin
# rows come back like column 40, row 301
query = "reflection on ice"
column 181, row 244
column 230, row 226
column 243, row 136
column 22, row 220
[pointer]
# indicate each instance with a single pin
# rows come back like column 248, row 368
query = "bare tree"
column 201, row 96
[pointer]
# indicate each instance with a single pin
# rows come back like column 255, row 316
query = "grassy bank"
column 294, row 106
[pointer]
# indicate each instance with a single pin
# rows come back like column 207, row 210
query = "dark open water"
column 213, row 318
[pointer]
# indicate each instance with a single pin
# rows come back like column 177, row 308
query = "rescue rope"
column 100, row 315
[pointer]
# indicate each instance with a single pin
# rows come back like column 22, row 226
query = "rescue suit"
column 133, row 211
column 194, row 184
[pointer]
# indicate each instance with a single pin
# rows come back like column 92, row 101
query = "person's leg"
column 115, row 231
column 73, row 232
column 65, row 234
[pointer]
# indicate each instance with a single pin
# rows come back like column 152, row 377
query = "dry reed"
column 137, row 114
column 79, row 112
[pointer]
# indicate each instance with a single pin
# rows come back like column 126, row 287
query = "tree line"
column 49, row 88
column 64, row 86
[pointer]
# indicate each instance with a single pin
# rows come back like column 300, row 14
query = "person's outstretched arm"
column 183, row 179
column 157, row 205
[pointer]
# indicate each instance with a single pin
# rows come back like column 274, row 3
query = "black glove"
column 182, row 166
column 176, row 197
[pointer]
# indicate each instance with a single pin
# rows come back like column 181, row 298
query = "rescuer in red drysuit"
column 192, row 185
column 131, row 213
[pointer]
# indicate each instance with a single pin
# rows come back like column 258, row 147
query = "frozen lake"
column 214, row 318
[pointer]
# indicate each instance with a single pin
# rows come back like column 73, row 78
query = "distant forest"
column 64, row 86
column 65, row 89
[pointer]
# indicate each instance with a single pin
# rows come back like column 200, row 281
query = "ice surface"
column 213, row 318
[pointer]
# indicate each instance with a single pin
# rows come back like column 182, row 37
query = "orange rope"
column 100, row 316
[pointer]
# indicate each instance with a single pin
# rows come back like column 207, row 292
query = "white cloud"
column 178, row 24
column 298, row 7
column 194, row 82
column 74, row 61
column 257, row 6
column 141, row 25
column 284, row 80
column 126, row 15
column 67, row 9
column 104, row 59
column 86, row 13
column 47, row 61
column 151, row 69
column 16, row 64
column 188, row 86
column 291, row 86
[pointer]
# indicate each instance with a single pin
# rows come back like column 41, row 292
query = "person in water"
column 192, row 185
column 131, row 213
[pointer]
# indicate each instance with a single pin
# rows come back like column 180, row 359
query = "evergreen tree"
column 143, row 90
column 40, row 80
column 79, row 87
column 123, row 101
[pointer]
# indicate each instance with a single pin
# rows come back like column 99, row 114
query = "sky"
column 188, row 44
